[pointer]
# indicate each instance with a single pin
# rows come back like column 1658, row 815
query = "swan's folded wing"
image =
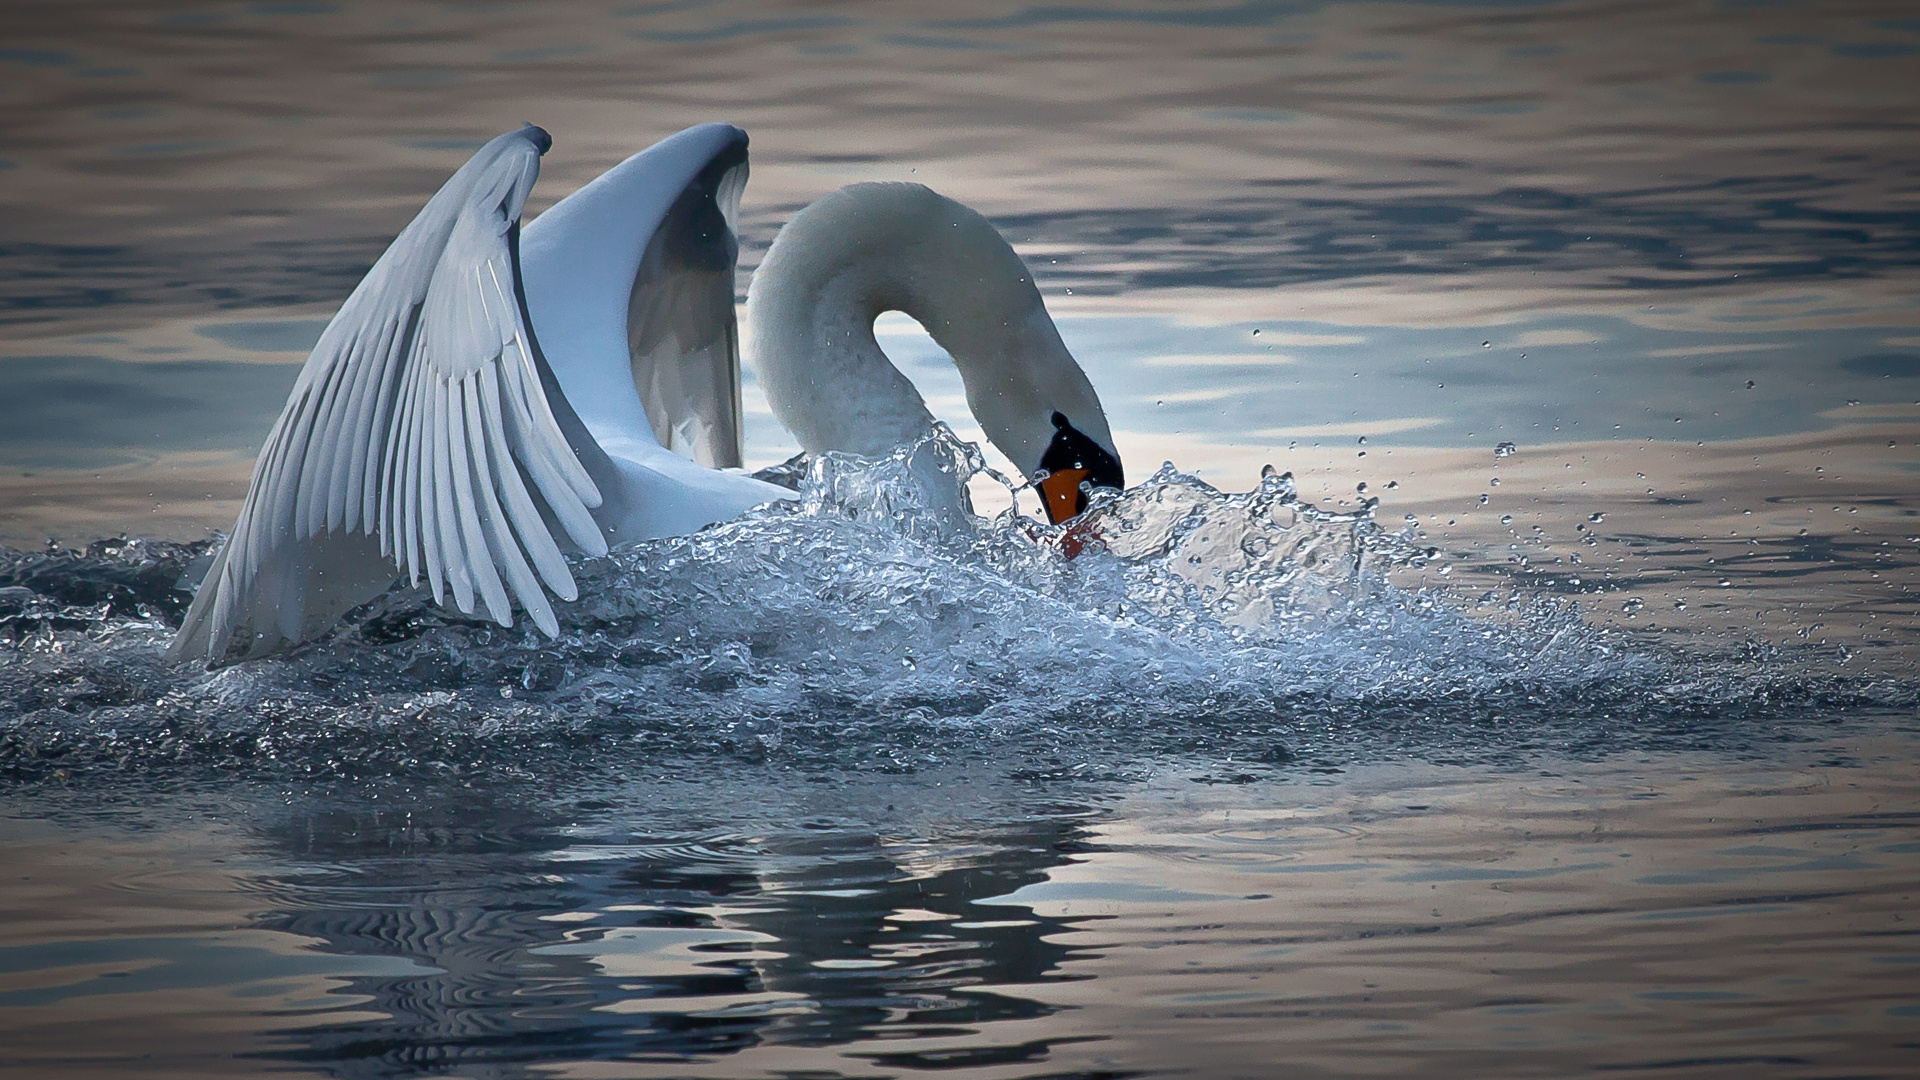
column 681, row 335
column 417, row 440
column 630, row 280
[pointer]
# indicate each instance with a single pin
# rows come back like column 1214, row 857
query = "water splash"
column 874, row 623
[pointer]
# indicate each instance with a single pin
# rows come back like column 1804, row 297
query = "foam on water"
column 874, row 624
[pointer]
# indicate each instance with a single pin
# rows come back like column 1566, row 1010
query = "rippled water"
column 1549, row 706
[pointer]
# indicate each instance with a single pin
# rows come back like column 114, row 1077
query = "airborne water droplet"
column 1596, row 517
column 1506, row 519
column 1486, row 344
column 1505, row 449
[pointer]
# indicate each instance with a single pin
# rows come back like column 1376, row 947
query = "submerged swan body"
column 490, row 398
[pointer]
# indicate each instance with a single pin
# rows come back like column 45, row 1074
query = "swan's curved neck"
column 873, row 248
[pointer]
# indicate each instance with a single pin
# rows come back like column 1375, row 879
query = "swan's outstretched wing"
column 418, row 440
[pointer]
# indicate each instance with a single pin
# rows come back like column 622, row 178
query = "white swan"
column 488, row 397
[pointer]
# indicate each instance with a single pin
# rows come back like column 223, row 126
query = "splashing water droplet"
column 1505, row 449
column 1194, row 606
column 1597, row 517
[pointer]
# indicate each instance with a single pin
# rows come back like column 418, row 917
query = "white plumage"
column 488, row 399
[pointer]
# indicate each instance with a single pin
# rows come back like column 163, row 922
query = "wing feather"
column 310, row 497
column 463, row 461
column 484, row 510
column 371, row 398
column 349, row 462
column 403, row 471
column 383, row 472
column 556, row 473
column 338, row 453
column 523, row 518
column 411, row 443
column 540, row 548
column 442, row 569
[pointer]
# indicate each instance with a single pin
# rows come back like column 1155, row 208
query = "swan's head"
column 1071, row 468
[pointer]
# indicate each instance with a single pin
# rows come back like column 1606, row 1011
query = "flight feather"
column 417, row 441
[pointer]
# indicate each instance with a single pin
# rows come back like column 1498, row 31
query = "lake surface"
column 1590, row 747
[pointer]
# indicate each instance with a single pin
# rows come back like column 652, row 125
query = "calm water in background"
column 1666, row 251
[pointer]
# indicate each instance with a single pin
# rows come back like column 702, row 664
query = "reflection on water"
column 1607, row 304
column 1689, row 911
column 667, row 948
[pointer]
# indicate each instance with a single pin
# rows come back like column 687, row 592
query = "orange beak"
column 1062, row 495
